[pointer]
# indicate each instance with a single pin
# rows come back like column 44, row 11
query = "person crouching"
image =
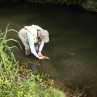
column 33, row 38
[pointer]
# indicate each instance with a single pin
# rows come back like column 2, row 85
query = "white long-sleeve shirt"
column 32, row 45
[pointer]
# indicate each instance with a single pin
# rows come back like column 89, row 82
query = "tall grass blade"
column 15, row 41
column 13, row 30
column 14, row 47
column 12, row 55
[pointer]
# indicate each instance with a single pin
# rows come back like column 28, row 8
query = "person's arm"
column 41, row 46
column 40, row 49
column 31, row 44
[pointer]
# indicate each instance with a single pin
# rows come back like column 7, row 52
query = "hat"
column 44, row 35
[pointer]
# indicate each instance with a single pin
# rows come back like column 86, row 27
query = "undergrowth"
column 16, row 84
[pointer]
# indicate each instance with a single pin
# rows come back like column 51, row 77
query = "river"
column 73, row 41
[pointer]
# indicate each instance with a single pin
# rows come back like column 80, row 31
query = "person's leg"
column 26, row 45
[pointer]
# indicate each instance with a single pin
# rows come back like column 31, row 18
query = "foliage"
column 16, row 84
column 94, row 5
column 68, row 2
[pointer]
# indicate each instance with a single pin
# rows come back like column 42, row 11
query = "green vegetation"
column 94, row 5
column 67, row 2
column 17, row 81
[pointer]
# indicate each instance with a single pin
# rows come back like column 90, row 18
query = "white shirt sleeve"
column 41, row 46
column 31, row 44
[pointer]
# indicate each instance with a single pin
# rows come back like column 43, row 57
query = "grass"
column 16, row 84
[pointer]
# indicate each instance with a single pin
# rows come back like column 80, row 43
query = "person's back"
column 32, row 35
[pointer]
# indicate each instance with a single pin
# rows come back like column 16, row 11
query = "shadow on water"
column 73, row 44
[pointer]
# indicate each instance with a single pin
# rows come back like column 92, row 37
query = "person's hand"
column 39, row 54
column 41, row 57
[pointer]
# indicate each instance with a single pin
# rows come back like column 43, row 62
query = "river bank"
column 89, row 5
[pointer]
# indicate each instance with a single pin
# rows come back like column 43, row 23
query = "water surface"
column 73, row 44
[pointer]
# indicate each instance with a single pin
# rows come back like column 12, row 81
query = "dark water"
column 73, row 44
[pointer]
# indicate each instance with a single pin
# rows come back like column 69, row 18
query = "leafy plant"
column 94, row 4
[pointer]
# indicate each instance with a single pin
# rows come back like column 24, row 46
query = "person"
column 33, row 38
